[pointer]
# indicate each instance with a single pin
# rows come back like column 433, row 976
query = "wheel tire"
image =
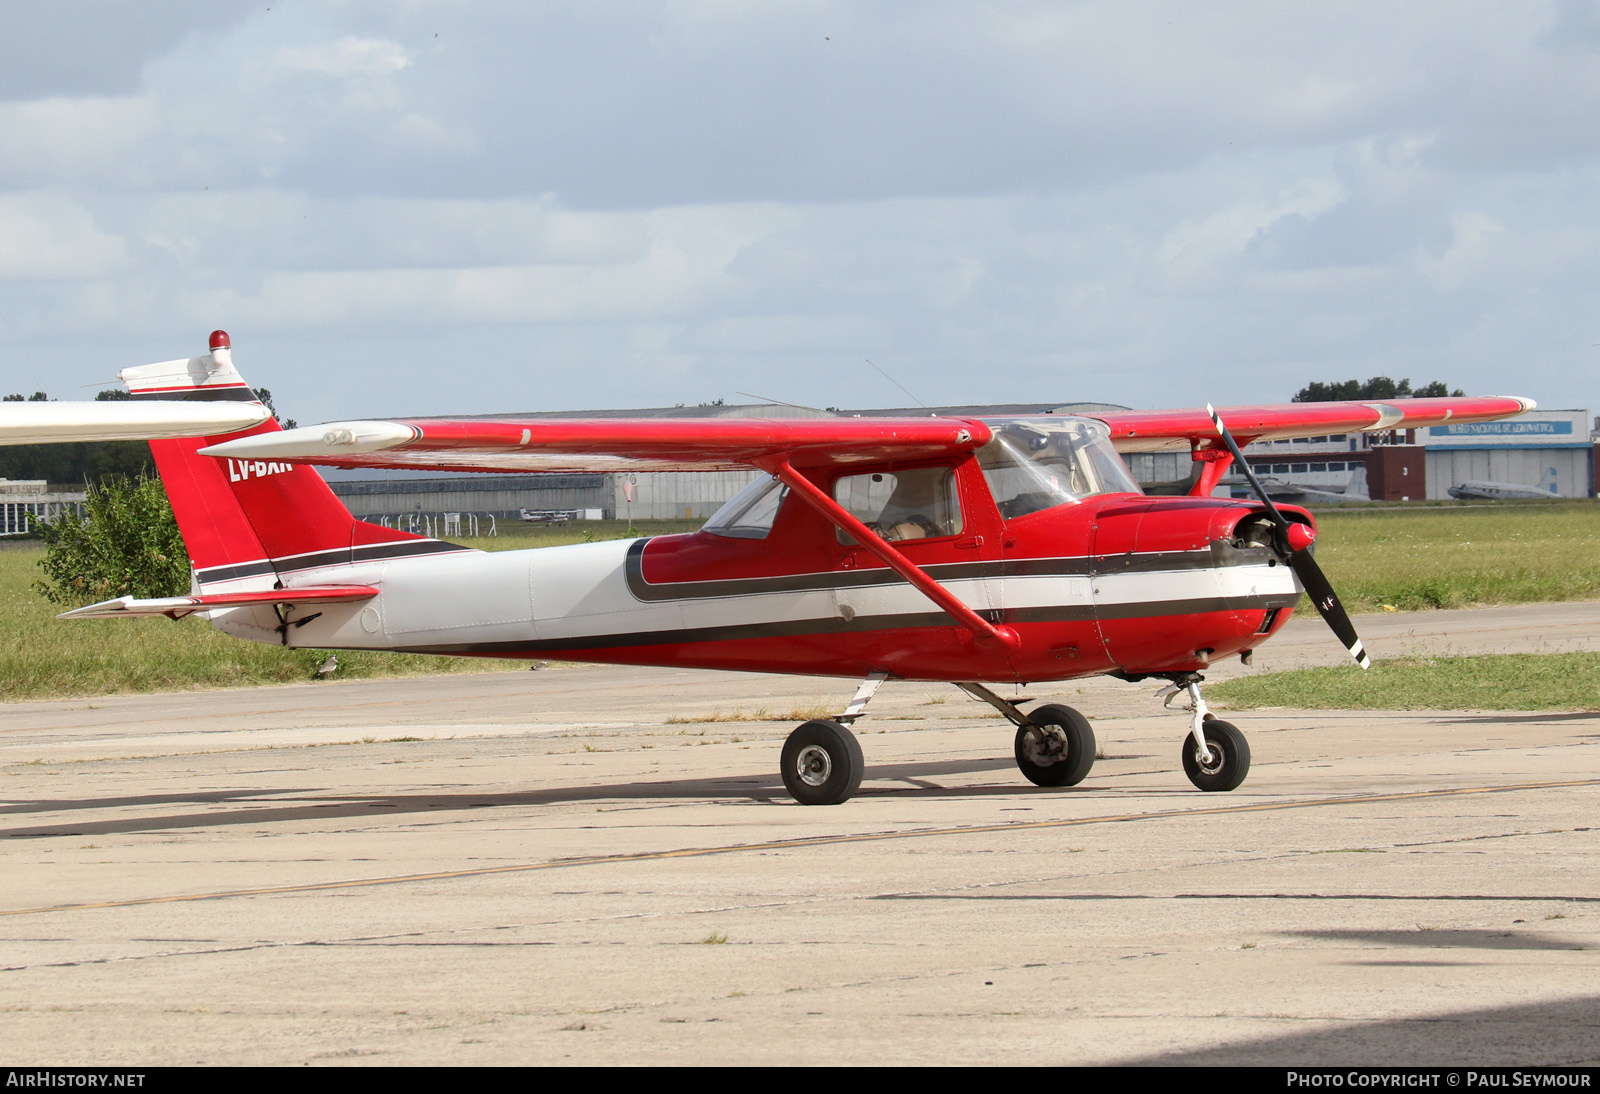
column 1058, row 749
column 1230, row 757
column 822, row 763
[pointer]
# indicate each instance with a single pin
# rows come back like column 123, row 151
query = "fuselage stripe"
column 311, row 560
column 1069, row 566
column 791, row 628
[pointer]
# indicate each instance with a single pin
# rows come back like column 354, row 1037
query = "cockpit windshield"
column 1036, row 463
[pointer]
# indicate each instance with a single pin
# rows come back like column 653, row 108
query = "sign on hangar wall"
column 1540, row 429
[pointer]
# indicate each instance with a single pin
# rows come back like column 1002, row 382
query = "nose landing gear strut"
column 1215, row 755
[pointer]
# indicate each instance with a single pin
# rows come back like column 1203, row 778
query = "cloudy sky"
column 454, row 207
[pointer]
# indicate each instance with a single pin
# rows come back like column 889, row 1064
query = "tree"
column 265, row 395
column 125, row 544
column 1378, row 387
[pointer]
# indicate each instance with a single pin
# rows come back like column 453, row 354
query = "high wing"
column 612, row 444
column 42, row 423
column 1175, row 430
column 714, row 444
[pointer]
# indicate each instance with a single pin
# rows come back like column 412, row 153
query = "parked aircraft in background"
column 971, row 551
column 1479, row 490
column 547, row 516
column 1299, row 493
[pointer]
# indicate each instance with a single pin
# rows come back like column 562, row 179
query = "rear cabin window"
column 918, row 503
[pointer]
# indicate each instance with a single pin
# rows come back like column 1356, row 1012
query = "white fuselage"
column 593, row 597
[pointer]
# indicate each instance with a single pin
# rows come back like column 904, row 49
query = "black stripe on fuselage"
column 213, row 574
column 372, row 552
column 1206, row 558
column 1065, row 613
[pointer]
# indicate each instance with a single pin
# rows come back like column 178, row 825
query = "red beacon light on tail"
column 221, row 349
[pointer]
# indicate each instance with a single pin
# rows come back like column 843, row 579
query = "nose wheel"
column 1225, row 761
column 1215, row 754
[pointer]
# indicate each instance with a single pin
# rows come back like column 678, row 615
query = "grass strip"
column 1400, row 558
column 1428, row 557
column 1512, row 681
column 42, row 657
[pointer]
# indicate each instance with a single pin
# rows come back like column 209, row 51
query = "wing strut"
column 988, row 637
column 1214, row 464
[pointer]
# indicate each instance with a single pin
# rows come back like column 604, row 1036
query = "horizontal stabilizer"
column 179, row 606
column 39, row 423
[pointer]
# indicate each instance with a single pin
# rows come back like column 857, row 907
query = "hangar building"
column 1548, row 449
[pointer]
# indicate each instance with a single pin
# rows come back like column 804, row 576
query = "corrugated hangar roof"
column 785, row 410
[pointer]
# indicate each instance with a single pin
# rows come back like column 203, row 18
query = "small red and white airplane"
column 972, row 551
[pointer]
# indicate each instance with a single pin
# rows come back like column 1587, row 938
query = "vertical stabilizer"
column 248, row 522
column 1356, row 489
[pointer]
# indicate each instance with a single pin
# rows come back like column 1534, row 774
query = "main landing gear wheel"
column 822, row 763
column 1057, row 749
column 1230, row 757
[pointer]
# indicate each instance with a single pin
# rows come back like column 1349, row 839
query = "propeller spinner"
column 1295, row 539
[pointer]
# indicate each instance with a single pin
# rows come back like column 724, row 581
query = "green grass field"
column 1515, row 681
column 1439, row 557
column 42, row 657
column 1428, row 557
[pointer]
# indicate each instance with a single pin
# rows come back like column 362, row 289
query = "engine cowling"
column 1179, row 582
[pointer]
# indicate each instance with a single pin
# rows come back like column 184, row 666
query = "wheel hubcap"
column 1218, row 759
column 1045, row 745
column 814, row 765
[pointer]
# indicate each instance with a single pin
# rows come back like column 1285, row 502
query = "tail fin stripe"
column 311, row 560
column 372, row 552
column 365, row 554
column 234, row 572
column 239, row 394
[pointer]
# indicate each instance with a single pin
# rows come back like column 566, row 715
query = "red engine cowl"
column 1180, row 582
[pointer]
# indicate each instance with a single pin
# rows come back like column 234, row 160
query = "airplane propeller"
column 1296, row 539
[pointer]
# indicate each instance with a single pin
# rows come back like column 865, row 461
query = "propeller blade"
column 1305, row 567
column 1327, row 601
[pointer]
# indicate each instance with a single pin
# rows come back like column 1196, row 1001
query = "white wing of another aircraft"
column 131, row 420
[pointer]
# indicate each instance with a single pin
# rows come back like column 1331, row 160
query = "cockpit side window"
column 749, row 513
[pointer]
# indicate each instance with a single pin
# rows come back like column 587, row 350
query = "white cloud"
column 59, row 141
column 1195, row 252
column 48, row 237
column 1471, row 250
column 348, row 58
column 653, row 203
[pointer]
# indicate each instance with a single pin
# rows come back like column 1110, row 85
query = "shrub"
column 125, row 544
